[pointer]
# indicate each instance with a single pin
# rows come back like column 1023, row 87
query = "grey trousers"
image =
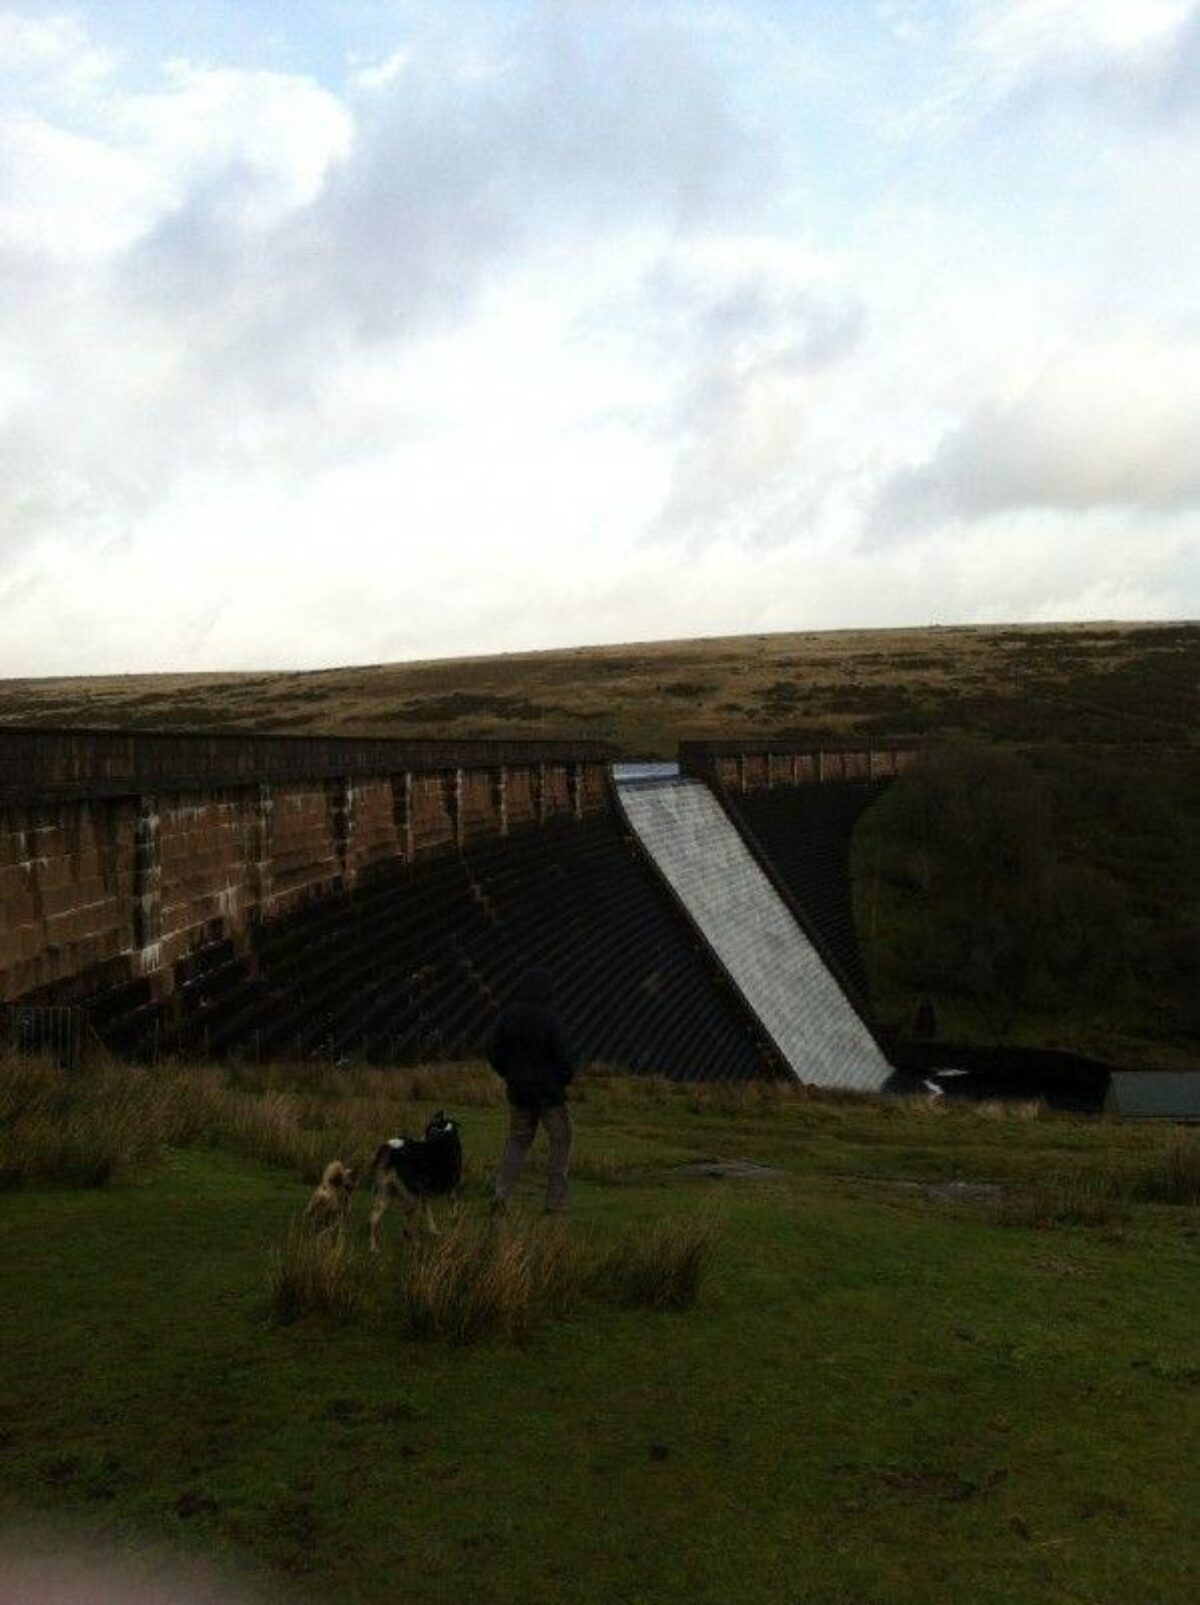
column 522, row 1128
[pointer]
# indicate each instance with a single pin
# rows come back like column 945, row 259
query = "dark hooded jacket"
column 527, row 1046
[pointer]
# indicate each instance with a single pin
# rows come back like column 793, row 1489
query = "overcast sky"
column 347, row 332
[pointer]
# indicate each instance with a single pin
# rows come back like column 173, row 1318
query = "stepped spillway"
column 782, row 977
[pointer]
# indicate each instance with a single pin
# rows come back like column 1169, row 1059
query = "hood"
column 536, row 987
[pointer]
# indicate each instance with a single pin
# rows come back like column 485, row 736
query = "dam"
column 370, row 899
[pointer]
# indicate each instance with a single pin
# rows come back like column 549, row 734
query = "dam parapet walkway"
column 696, row 848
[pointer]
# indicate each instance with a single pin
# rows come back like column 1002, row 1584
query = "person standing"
column 527, row 1048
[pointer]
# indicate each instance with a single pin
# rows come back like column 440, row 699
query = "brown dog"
column 330, row 1202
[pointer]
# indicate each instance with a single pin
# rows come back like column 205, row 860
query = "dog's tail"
column 384, row 1153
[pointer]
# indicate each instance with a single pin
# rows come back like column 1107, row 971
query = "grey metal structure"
column 1154, row 1094
column 698, row 851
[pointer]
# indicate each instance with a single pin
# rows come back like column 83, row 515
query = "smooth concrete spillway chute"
column 780, row 974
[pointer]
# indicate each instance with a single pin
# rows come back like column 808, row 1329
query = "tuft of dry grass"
column 1009, row 1109
column 1171, row 1177
column 267, row 1127
column 503, row 1278
column 476, row 1280
column 660, row 1268
column 740, row 1099
column 465, row 1285
column 1102, row 1197
column 317, row 1273
column 77, row 1130
column 1082, row 1198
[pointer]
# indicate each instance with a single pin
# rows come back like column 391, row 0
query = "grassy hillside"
column 1125, row 685
column 939, row 1354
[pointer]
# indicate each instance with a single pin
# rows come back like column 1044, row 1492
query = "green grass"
column 881, row 1394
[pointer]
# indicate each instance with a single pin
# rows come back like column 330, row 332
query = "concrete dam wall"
column 283, row 896
column 296, row 897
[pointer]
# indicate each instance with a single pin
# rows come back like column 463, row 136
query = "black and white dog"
column 416, row 1170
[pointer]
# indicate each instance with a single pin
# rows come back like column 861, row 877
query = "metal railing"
column 42, row 1031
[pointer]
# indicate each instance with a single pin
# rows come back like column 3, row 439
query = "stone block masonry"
column 739, row 768
column 123, row 854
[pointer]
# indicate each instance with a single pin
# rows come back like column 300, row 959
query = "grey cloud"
column 749, row 326
column 808, row 329
column 1022, row 457
column 1170, row 87
column 752, row 351
column 451, row 177
column 46, row 491
column 1158, row 83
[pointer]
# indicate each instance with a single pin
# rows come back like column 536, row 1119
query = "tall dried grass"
column 266, row 1126
column 1101, row 1195
column 318, row 1273
column 463, row 1285
column 476, row 1280
column 1172, row 1176
column 660, row 1268
column 77, row 1130
column 1080, row 1198
column 469, row 1084
column 84, row 1128
column 1009, row 1108
column 741, row 1099
column 484, row 1279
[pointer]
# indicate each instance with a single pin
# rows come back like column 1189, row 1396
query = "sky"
column 352, row 331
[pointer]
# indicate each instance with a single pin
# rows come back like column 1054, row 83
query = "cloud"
column 1112, row 426
column 571, row 322
column 457, row 164
column 1021, row 39
column 50, row 53
column 751, row 329
column 1138, row 60
column 232, row 134
column 380, row 74
column 65, row 195
column 1141, row 57
column 213, row 258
